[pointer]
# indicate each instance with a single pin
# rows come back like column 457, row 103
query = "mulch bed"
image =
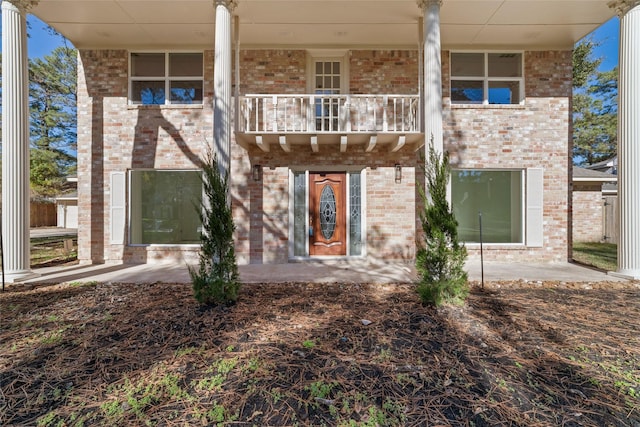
column 517, row 354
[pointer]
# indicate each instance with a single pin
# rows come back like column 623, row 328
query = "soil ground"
column 516, row 354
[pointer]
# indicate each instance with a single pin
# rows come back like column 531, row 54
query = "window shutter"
column 534, row 207
column 118, row 206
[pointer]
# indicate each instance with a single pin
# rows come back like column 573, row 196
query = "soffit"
column 163, row 24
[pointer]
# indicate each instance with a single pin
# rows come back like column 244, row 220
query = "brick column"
column 222, row 85
column 629, row 138
column 432, row 73
column 15, row 141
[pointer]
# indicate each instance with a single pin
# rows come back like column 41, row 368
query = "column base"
column 626, row 274
column 19, row 276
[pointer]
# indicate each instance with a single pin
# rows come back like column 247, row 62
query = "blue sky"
column 42, row 43
column 608, row 35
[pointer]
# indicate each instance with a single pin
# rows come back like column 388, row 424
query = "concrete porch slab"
column 351, row 271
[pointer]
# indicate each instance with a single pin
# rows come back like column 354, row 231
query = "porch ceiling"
column 331, row 142
column 189, row 24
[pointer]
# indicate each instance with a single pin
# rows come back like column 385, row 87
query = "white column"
column 222, row 85
column 15, row 142
column 629, row 138
column 432, row 73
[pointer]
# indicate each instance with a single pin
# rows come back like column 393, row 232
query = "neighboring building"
column 67, row 204
column 67, row 210
column 609, row 166
column 591, row 195
column 321, row 113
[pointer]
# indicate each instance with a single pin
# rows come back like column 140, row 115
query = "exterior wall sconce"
column 398, row 174
column 256, row 172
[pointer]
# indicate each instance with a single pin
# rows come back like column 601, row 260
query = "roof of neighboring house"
column 588, row 175
column 161, row 24
column 72, row 195
column 609, row 166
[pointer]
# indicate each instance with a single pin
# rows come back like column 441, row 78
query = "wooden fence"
column 43, row 214
column 610, row 224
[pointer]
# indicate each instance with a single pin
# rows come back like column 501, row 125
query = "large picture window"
column 497, row 195
column 166, row 78
column 486, row 78
column 164, row 206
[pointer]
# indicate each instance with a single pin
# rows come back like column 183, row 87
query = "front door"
column 327, row 216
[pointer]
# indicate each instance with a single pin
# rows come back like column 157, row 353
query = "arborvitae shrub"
column 216, row 281
column 440, row 258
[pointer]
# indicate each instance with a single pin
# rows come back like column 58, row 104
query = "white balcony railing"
column 329, row 113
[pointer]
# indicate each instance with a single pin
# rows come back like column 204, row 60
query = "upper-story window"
column 486, row 78
column 161, row 78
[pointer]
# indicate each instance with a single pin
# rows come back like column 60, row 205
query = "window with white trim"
column 162, row 78
column 163, row 206
column 496, row 194
column 487, row 78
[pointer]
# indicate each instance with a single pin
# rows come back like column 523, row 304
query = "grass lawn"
column 600, row 255
column 49, row 251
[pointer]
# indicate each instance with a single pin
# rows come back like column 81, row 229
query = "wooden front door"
column 327, row 216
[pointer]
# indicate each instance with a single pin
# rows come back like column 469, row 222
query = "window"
column 164, row 206
column 498, row 195
column 154, row 75
column 486, row 78
column 327, row 82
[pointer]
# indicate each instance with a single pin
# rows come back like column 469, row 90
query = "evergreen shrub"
column 216, row 281
column 440, row 258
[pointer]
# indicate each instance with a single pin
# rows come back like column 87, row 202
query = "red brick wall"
column 532, row 135
column 383, row 71
column 263, row 207
column 114, row 137
column 587, row 213
column 535, row 134
column 273, row 71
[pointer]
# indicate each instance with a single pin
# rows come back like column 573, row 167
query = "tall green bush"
column 440, row 258
column 216, row 281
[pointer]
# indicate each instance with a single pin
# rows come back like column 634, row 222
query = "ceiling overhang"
column 189, row 24
column 331, row 142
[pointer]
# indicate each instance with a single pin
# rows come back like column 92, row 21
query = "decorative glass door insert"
column 327, row 214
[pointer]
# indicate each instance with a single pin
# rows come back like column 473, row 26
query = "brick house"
column 590, row 196
column 321, row 113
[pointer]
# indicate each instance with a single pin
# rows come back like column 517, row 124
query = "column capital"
column 423, row 4
column 229, row 4
column 623, row 6
column 22, row 4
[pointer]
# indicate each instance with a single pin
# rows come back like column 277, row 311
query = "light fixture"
column 256, row 172
column 398, row 174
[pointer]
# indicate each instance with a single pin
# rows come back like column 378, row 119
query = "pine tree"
column 595, row 103
column 440, row 261
column 52, row 105
column 216, row 281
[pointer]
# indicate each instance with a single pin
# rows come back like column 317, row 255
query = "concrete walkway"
column 352, row 271
column 38, row 232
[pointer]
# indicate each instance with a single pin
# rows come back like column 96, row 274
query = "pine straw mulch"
column 529, row 354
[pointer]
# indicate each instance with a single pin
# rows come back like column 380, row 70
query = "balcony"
column 360, row 122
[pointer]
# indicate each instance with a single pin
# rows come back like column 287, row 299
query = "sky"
column 41, row 43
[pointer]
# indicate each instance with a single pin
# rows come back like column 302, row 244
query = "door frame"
column 349, row 170
column 317, row 182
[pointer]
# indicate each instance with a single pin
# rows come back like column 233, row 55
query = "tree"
column 440, row 261
column 216, row 281
column 595, row 120
column 52, row 105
